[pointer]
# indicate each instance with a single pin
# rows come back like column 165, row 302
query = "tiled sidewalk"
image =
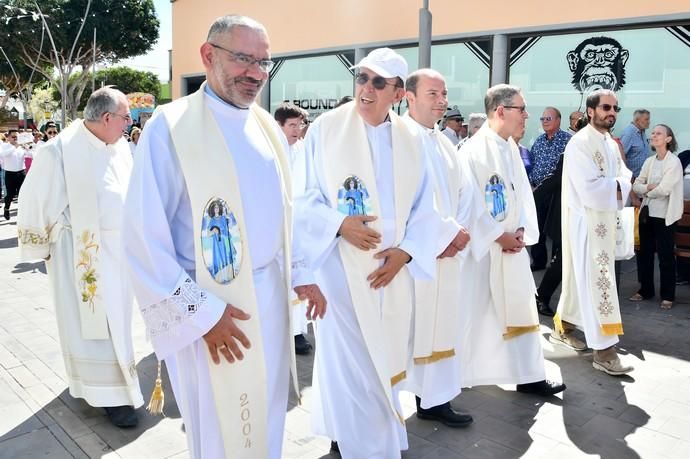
column 646, row 415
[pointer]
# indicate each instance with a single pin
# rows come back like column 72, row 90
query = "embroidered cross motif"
column 603, row 259
column 605, row 307
column 600, row 230
column 599, row 160
column 603, row 283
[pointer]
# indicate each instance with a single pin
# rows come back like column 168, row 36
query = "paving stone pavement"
column 645, row 415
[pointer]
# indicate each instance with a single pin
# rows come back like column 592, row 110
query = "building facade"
column 555, row 52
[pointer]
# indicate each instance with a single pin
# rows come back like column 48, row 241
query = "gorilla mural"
column 598, row 63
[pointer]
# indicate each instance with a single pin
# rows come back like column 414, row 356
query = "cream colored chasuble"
column 437, row 300
column 501, row 182
column 210, row 175
column 601, row 244
column 77, row 146
column 384, row 317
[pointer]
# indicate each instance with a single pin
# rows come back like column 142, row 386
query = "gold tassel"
column 157, row 401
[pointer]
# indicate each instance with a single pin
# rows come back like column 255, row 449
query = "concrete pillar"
column 499, row 60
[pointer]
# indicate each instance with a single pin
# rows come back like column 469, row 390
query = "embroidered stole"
column 599, row 252
column 239, row 389
column 510, row 280
column 437, row 301
column 86, row 237
column 385, row 324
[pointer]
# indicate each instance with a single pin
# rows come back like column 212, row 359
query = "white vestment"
column 437, row 379
column 350, row 405
column 298, row 169
column 101, row 371
column 589, row 188
column 161, row 260
column 487, row 356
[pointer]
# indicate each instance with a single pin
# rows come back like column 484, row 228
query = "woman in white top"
column 660, row 185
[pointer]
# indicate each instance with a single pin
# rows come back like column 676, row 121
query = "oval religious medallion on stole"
column 496, row 198
column 353, row 197
column 221, row 242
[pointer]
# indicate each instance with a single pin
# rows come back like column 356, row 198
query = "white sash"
column 84, row 214
column 600, row 254
column 511, row 282
column 239, row 389
column 385, row 325
column 437, row 301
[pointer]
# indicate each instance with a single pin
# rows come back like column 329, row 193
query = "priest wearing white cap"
column 366, row 214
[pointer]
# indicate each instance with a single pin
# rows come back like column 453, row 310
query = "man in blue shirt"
column 544, row 157
column 635, row 142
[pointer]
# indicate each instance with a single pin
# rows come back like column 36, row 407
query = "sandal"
column 666, row 304
column 636, row 297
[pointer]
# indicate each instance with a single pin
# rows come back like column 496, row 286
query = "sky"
column 156, row 60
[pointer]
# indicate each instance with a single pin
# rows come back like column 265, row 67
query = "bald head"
column 427, row 96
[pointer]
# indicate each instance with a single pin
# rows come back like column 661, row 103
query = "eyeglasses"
column 378, row 82
column 545, row 118
column 520, row 108
column 608, row 107
column 457, row 120
column 126, row 117
column 51, row 132
column 245, row 60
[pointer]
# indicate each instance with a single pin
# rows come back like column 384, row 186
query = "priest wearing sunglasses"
column 595, row 186
column 366, row 260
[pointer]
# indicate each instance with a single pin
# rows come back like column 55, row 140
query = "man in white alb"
column 208, row 220
column 71, row 216
column 365, row 215
column 291, row 120
column 594, row 180
column 500, row 340
column 434, row 374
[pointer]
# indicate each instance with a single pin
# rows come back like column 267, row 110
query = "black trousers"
column 553, row 275
column 13, row 182
column 655, row 236
column 538, row 250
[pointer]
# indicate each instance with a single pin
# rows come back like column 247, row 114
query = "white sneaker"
column 568, row 340
column 613, row 367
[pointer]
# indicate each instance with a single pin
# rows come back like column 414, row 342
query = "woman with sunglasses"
column 50, row 132
column 660, row 186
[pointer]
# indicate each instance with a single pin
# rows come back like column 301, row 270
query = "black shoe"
column 445, row 414
column 534, row 268
column 334, row 447
column 543, row 308
column 122, row 416
column 302, row 345
column 7, row 213
column 544, row 388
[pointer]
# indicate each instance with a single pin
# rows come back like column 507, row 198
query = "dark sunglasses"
column 378, row 82
column 545, row 118
column 608, row 107
column 51, row 132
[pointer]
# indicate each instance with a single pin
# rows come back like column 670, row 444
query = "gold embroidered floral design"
column 29, row 237
column 600, row 230
column 88, row 281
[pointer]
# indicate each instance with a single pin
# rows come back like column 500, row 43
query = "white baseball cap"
column 385, row 62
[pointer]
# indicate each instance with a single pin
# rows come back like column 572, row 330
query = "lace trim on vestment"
column 166, row 317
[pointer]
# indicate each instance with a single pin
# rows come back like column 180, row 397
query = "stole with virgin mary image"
column 219, row 237
column 353, row 197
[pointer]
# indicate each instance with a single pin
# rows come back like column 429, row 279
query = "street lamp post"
column 424, row 36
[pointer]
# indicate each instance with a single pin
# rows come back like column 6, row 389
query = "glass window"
column 467, row 76
column 649, row 68
column 313, row 83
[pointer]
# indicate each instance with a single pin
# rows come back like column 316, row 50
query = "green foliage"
column 125, row 79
